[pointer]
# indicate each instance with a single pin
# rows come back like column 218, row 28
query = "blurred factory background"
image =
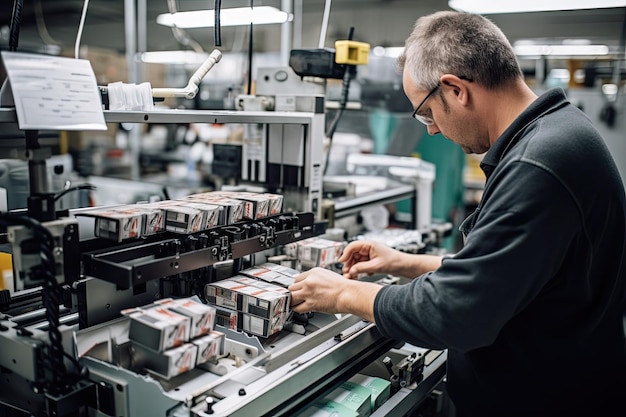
column 122, row 40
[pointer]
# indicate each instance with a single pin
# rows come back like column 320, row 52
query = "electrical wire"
column 81, row 26
column 343, row 101
column 324, row 24
column 16, row 22
column 51, row 294
column 180, row 35
column 41, row 25
column 217, row 26
column 250, row 49
column 76, row 188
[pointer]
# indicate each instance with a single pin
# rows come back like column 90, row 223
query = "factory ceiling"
column 378, row 22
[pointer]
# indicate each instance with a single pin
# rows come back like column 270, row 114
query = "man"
column 531, row 308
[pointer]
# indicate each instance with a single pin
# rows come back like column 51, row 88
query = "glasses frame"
column 425, row 120
column 428, row 121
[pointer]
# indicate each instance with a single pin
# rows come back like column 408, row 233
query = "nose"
column 433, row 129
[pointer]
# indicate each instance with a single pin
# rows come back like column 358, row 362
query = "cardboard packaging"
column 380, row 389
column 158, row 328
column 354, row 397
column 202, row 316
column 210, row 346
column 262, row 327
column 169, row 363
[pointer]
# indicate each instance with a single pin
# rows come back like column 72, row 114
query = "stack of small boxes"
column 256, row 301
column 188, row 215
column 314, row 252
column 173, row 336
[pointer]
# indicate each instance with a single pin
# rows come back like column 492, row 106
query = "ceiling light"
column 228, row 17
column 560, row 50
column 173, row 57
column 500, row 6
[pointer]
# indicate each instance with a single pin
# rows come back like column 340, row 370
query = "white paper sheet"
column 54, row 93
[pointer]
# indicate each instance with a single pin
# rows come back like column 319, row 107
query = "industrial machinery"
column 68, row 331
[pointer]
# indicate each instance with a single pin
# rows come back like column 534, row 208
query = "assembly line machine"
column 64, row 342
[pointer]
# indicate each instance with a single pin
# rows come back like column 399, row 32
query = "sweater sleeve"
column 509, row 256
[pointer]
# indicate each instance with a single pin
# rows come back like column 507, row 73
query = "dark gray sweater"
column 531, row 308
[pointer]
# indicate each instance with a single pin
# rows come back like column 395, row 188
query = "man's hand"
column 324, row 291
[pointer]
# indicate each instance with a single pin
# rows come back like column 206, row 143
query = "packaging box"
column 380, row 389
column 232, row 210
column 117, row 223
column 354, row 397
column 212, row 212
column 158, row 328
column 180, row 218
column 154, row 218
column 282, row 269
column 313, row 252
column 268, row 275
column 202, row 316
column 262, row 327
column 276, row 203
column 256, row 206
column 331, row 409
column 210, row 346
column 168, row 363
column 262, row 303
column 267, row 286
column 224, row 293
column 226, row 318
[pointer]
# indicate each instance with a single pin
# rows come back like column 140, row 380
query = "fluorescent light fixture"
column 388, row 51
column 173, row 57
column 504, row 6
column 560, row 50
column 228, row 17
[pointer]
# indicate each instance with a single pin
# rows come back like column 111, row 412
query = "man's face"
column 444, row 114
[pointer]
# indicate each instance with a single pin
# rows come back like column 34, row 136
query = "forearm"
column 411, row 266
column 357, row 298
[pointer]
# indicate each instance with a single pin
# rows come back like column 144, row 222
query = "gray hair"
column 458, row 43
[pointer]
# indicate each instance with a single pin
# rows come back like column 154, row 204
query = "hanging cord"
column 217, row 26
column 180, row 35
column 343, row 101
column 41, row 25
column 81, row 26
column 324, row 24
column 250, row 48
column 52, row 297
column 16, row 22
column 76, row 188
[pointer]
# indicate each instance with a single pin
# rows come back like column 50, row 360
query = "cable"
column 80, row 28
column 76, row 188
column 250, row 48
column 16, row 22
column 41, row 25
column 217, row 27
column 180, row 35
column 51, row 294
column 324, row 24
column 343, row 101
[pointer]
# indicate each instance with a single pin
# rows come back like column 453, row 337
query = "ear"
column 459, row 87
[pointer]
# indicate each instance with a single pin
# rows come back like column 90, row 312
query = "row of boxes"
column 256, row 301
column 172, row 336
column 314, row 252
column 191, row 214
column 260, row 311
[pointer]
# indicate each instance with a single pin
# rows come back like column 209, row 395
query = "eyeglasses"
column 428, row 121
column 425, row 119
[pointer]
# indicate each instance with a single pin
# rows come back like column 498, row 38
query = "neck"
column 508, row 104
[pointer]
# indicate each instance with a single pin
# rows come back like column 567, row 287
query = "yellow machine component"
column 352, row 52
